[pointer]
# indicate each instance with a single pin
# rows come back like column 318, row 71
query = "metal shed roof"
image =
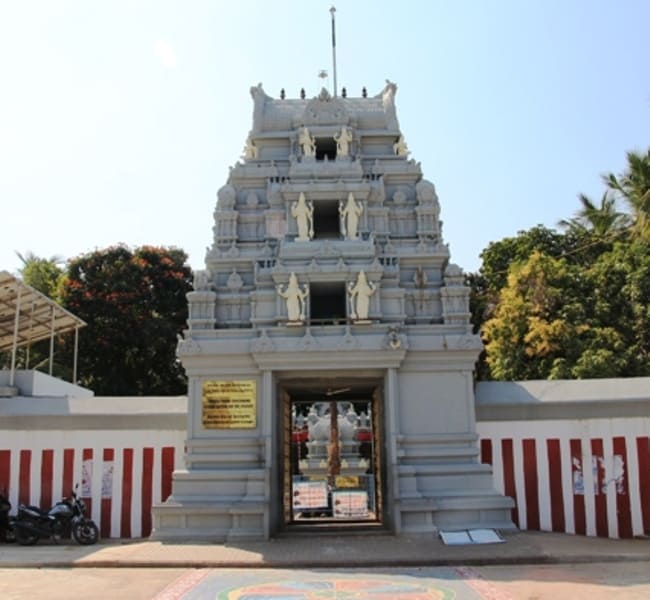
column 29, row 315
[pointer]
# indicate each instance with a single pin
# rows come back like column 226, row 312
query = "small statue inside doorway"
column 343, row 140
column 295, row 298
column 303, row 212
column 349, row 214
column 307, row 143
column 360, row 293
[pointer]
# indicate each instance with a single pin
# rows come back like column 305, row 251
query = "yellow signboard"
column 229, row 405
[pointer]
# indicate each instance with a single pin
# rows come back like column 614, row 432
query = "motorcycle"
column 64, row 518
column 6, row 522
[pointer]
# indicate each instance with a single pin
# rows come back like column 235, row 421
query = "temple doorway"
column 332, row 467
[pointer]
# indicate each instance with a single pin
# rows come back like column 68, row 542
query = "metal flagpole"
column 332, row 11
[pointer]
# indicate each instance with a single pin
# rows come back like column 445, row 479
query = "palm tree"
column 41, row 273
column 603, row 221
column 633, row 185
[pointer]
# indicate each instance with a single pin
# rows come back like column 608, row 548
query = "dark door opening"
column 332, row 471
column 327, row 302
column 325, row 148
column 327, row 223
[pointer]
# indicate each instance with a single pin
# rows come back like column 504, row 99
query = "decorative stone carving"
column 425, row 192
column 303, row 212
column 348, row 341
column 343, row 141
column 295, row 298
column 226, row 197
column 325, row 110
column 251, row 199
column 235, row 282
column 455, row 298
column 360, row 293
column 263, row 343
column 349, row 213
column 387, row 96
column 201, row 308
column 309, row 342
column 259, row 100
column 186, row 347
column 400, row 148
column 399, row 197
column 307, row 143
column 201, row 280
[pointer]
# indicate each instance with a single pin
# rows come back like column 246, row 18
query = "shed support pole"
column 52, row 341
column 76, row 354
column 14, row 346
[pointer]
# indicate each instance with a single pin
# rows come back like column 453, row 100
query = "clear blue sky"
column 119, row 120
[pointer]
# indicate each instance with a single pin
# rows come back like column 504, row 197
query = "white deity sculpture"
column 349, row 214
column 303, row 212
column 360, row 293
column 250, row 149
column 343, row 140
column 400, row 148
column 295, row 298
column 307, row 142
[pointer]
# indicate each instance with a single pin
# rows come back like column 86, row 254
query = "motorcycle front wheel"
column 85, row 533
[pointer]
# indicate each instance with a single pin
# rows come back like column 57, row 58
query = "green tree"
column 43, row 274
column 528, row 331
column 134, row 303
column 499, row 255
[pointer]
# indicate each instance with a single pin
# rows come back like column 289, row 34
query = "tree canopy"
column 134, row 303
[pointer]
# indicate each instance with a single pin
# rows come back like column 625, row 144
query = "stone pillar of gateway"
column 328, row 349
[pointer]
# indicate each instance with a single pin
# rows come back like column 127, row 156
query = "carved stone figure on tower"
column 343, row 140
column 307, row 143
column 349, row 214
column 303, row 212
column 295, row 298
column 260, row 98
column 360, row 293
column 400, row 148
column 250, row 149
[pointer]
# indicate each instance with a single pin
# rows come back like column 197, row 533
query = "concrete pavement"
column 327, row 551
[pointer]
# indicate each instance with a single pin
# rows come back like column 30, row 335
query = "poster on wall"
column 229, row 405
column 107, row 479
column 308, row 495
column 350, row 505
column 86, row 478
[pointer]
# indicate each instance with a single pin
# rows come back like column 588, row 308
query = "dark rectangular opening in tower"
column 327, row 223
column 325, row 148
column 327, row 302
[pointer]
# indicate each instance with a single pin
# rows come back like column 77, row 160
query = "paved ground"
column 539, row 566
column 596, row 581
column 330, row 551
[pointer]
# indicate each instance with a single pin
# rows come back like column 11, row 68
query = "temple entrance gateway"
column 332, row 473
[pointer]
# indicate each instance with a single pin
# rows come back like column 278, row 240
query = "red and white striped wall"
column 120, row 473
column 583, row 476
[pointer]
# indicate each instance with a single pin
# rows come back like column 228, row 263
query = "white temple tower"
column 329, row 351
